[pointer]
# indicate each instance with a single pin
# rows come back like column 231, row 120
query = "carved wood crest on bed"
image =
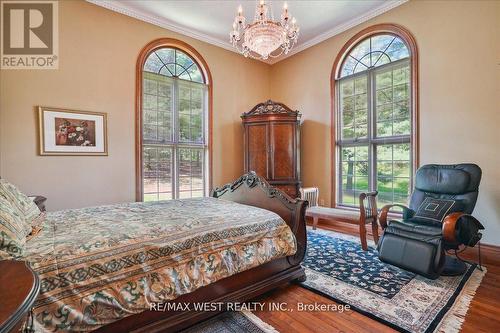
column 249, row 189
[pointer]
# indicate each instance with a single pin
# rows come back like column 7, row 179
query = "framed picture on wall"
column 71, row 132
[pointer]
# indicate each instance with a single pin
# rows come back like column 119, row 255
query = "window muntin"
column 374, row 51
column 392, row 100
column 393, row 173
column 374, row 131
column 174, row 127
column 173, row 63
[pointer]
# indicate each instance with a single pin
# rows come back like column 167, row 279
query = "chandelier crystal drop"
column 264, row 38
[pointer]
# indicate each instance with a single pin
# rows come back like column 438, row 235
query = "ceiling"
column 211, row 20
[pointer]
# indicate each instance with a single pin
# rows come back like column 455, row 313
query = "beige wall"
column 98, row 53
column 459, row 101
column 459, row 53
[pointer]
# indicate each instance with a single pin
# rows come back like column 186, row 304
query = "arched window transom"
column 173, row 63
column 373, row 52
column 375, row 122
column 174, row 126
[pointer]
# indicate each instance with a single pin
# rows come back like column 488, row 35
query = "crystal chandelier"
column 263, row 38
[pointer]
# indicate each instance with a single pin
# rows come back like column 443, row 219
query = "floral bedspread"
column 100, row 264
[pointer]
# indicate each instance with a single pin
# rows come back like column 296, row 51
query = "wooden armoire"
column 272, row 145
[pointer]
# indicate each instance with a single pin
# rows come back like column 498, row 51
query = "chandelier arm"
column 264, row 38
column 254, row 55
column 282, row 50
column 271, row 55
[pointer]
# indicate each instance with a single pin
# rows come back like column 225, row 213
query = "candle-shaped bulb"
column 294, row 20
column 285, row 6
column 240, row 10
column 261, row 2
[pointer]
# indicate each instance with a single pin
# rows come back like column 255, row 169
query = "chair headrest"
column 448, row 179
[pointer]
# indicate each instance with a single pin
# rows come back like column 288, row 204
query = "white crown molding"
column 386, row 6
column 161, row 22
column 169, row 25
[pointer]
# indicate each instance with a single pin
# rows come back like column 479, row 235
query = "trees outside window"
column 174, row 126
column 374, row 120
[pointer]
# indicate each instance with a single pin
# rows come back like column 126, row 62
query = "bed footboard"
column 251, row 189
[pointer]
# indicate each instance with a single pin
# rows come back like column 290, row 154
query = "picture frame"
column 65, row 132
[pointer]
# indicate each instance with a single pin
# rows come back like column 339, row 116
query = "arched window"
column 375, row 108
column 173, row 118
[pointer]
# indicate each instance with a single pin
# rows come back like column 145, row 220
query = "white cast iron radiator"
column 310, row 194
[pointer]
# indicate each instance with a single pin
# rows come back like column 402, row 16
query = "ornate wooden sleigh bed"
column 250, row 190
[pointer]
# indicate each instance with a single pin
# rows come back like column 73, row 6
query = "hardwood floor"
column 483, row 314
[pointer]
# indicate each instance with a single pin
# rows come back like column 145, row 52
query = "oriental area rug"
column 339, row 269
column 232, row 322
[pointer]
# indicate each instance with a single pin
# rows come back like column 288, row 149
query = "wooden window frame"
column 207, row 78
column 409, row 40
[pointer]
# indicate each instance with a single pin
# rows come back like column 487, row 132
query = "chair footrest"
column 418, row 256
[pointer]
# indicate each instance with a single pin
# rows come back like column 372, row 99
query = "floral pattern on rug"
column 232, row 322
column 347, row 262
column 408, row 303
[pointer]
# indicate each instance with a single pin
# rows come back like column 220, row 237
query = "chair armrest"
column 452, row 234
column 385, row 210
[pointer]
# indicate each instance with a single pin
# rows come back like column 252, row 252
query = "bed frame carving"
column 249, row 189
column 257, row 192
column 251, row 180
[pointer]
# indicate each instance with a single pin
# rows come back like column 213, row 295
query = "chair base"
column 453, row 266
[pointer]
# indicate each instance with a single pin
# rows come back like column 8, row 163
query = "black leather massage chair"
column 437, row 220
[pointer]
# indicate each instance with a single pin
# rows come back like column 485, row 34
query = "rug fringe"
column 454, row 319
column 259, row 322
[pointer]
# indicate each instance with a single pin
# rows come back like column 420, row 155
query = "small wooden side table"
column 19, row 288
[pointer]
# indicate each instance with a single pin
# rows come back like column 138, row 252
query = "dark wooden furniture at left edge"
column 252, row 190
column 39, row 201
column 19, row 288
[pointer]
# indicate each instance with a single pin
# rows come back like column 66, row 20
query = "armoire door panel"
column 272, row 143
column 283, row 151
column 258, row 145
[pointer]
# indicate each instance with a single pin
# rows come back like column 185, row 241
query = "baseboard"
column 490, row 247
